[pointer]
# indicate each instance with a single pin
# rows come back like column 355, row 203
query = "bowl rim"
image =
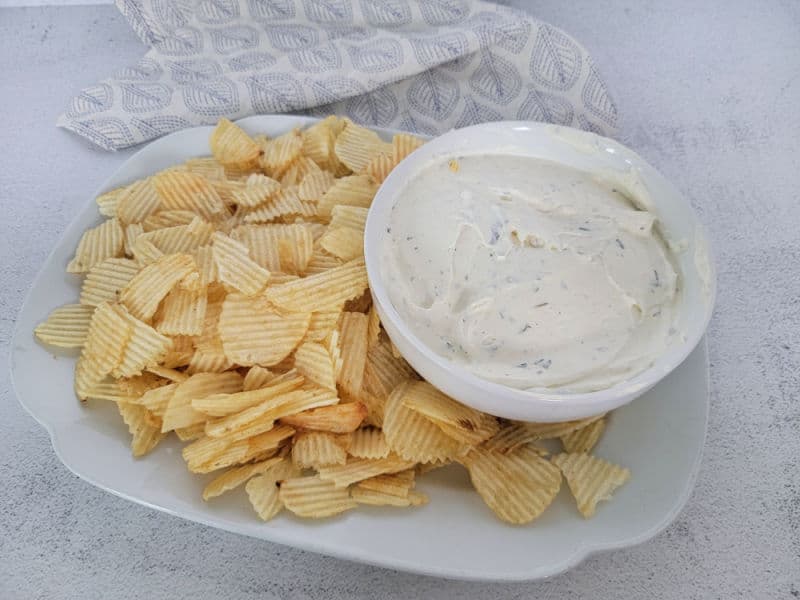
column 553, row 406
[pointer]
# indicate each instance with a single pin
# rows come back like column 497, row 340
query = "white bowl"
column 580, row 150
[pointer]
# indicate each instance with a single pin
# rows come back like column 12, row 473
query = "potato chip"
column 314, row 449
column 137, row 202
column 341, row 418
column 370, row 497
column 181, row 353
column 257, row 190
column 232, row 146
column 380, row 166
column 193, row 432
column 283, row 204
column 404, row 144
column 361, row 304
column 222, row 404
column 411, row 435
column 298, row 170
column 356, row 146
column 322, row 324
column 235, row 477
column 358, row 469
column 146, row 347
column 180, row 411
column 376, row 408
column 354, row 190
column 332, row 344
column 583, row 439
column 253, row 333
column 460, row 422
column 517, row 486
column 395, row 484
column 313, row 498
column 323, row 291
column 511, row 436
column 107, row 202
column 354, row 217
column 209, row 357
column 322, row 261
column 169, row 218
column 145, row 252
column 279, row 153
column 183, row 313
column 423, row 468
column 167, row 373
column 257, row 377
column 139, row 385
column 286, row 248
column 96, row 245
column 263, row 490
column 66, row 327
column 149, row 286
column 353, row 343
column 384, row 372
column 182, row 190
column 235, row 267
column 343, row 242
column 590, row 479
column 314, row 362
column 517, row 433
column 208, row 167
column 209, row 454
column 108, row 335
column 206, row 267
column 314, row 185
column 110, row 390
column 106, row 279
column 318, row 141
column 373, row 327
column 145, row 434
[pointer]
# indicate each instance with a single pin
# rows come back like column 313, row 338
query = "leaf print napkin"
column 425, row 66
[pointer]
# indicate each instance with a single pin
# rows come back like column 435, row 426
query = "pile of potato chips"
column 226, row 300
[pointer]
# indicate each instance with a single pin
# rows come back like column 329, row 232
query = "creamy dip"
column 529, row 273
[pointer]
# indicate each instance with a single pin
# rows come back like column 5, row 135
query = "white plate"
column 659, row 436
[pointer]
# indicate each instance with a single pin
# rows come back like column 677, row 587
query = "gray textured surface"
column 710, row 98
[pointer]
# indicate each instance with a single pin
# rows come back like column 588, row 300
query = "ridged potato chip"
column 380, row 166
column 145, row 252
column 106, row 280
column 373, row 327
column 66, row 327
column 180, row 411
column 157, row 399
column 164, row 219
column 257, row 377
column 146, row 434
column 583, row 439
column 383, row 371
column 96, row 245
column 285, row 203
column 318, row 141
column 299, row 170
column 363, row 495
column 255, row 191
column 253, row 333
column 511, row 436
column 107, row 202
column 322, row 261
column 132, row 232
column 167, row 373
column 314, row 498
column 341, row 418
column 411, row 435
column 354, row 190
column 358, row 469
column 285, row 248
column 368, row 442
column 183, row 313
column 354, row 217
column 236, row 476
column 517, row 486
column 182, row 190
column 263, row 490
column 235, row 267
column 232, row 146
column 181, row 238
column 314, row 185
column 323, row 291
column 146, row 347
column 590, row 479
column 137, row 202
column 460, row 422
column 208, row 167
column 356, row 146
column 404, row 144
column 343, row 242
column 108, row 336
column 353, row 347
column 223, row 404
column 315, row 449
column 280, row 152
column 395, row 484
column 314, row 362
column 149, row 286
column 322, row 324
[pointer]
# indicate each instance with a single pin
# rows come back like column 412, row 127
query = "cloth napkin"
column 424, row 66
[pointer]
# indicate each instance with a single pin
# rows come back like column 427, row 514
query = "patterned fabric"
column 424, row 66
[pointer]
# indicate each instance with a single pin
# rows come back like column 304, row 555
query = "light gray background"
column 708, row 92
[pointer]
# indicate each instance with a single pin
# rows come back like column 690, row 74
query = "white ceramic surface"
column 659, row 437
column 583, row 151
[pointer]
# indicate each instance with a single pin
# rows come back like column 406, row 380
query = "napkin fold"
column 425, row 66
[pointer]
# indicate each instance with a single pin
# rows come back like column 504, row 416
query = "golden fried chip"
column 404, row 144
column 223, row 404
column 66, row 327
column 411, row 435
column 353, row 343
column 181, row 353
column 253, row 333
column 235, row 267
column 354, row 190
column 255, row 191
column 132, row 232
column 108, row 335
column 165, row 219
column 395, row 484
column 285, row 203
column 167, row 373
column 208, row 167
column 343, row 242
column 314, row 362
column 180, row 411
column 137, row 202
column 257, row 377
column 206, row 267
column 517, row 486
column 355, row 146
column 323, row 291
column 313, row 498
column 315, row 449
column 285, row 248
column 318, row 140
column 146, row 347
column 322, row 324
column 460, row 422
column 383, row 371
column 301, row 168
column 583, row 439
column 423, row 468
column 145, row 252
column 518, row 433
column 358, row 469
column 193, row 432
column 235, row 477
column 97, row 244
column 280, row 152
column 106, row 280
column 363, row 495
column 263, row 490
column 314, row 185
column 376, row 408
column 322, row 261
column 373, row 327
column 107, row 202
column 341, row 418
column 183, row 312
column 380, row 166
column 590, row 479
column 182, row 190
column 354, row 217
column 149, row 286
column 232, row 146
column 146, row 434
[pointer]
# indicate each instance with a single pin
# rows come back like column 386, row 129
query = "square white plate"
column 659, row 437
